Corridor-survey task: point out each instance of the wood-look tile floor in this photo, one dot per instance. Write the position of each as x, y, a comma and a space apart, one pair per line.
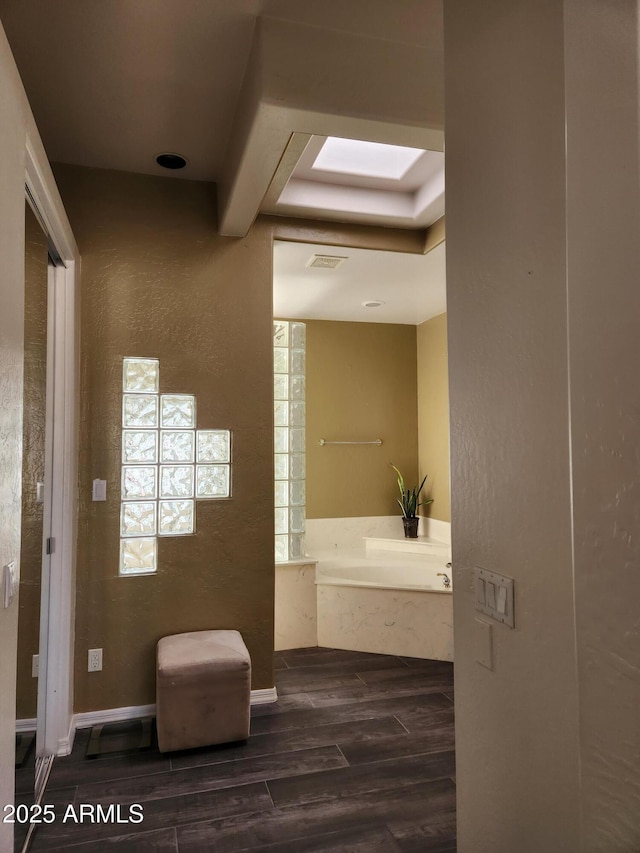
357, 756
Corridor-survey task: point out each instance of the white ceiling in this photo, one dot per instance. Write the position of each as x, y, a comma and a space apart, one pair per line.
411, 286
415, 200
112, 83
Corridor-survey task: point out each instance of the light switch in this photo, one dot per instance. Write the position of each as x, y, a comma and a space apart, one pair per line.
502, 599
99, 490
494, 596
39, 493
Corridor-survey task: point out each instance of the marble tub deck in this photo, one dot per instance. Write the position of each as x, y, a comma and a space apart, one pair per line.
410, 622
314, 610
315, 604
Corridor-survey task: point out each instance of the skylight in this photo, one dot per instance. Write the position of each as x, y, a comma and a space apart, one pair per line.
370, 159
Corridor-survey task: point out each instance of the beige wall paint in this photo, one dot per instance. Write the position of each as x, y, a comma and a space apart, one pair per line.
433, 415
516, 726
157, 281
374, 237
33, 431
156, 277
435, 234
361, 385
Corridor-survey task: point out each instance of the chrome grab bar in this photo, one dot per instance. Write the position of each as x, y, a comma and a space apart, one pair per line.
323, 441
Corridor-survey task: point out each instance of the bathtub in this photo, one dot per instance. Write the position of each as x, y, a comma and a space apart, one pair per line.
385, 599
420, 575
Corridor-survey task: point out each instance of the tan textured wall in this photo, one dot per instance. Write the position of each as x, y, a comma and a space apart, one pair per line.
516, 726
375, 237
33, 432
361, 385
433, 414
157, 281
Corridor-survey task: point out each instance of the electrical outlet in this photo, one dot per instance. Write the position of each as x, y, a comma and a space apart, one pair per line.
95, 660
35, 666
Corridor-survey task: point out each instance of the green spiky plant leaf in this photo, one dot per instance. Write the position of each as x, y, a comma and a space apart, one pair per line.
409, 499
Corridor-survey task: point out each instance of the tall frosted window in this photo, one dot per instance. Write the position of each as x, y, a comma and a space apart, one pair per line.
167, 465
289, 438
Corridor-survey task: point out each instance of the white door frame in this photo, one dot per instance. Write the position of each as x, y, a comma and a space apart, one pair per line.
58, 583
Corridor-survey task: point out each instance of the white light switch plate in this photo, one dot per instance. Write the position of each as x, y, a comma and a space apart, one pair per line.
99, 491
9, 582
494, 596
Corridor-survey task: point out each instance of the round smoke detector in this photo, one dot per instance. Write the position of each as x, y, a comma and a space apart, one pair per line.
372, 303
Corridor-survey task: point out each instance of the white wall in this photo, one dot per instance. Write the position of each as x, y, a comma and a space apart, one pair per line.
13, 123
603, 216
543, 306
516, 726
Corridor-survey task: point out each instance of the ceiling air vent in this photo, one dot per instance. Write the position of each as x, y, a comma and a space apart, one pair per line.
326, 262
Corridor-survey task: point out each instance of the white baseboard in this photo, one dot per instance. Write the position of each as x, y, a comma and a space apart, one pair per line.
134, 712
65, 744
112, 715
86, 719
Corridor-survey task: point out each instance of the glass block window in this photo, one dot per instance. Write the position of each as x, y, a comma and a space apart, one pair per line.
167, 465
289, 339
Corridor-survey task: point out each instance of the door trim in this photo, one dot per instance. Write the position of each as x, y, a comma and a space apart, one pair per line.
57, 618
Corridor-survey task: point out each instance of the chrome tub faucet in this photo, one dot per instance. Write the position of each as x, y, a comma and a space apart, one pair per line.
447, 580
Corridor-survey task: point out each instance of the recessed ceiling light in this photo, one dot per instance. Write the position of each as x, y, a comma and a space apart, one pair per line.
171, 161
371, 159
326, 262
372, 303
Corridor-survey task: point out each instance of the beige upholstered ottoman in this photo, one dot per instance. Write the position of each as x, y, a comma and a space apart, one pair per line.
203, 689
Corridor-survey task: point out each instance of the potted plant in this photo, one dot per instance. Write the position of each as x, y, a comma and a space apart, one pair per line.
409, 501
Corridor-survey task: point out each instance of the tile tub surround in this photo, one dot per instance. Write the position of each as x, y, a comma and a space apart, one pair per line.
357, 755
391, 620
295, 617
324, 534
386, 621
366, 620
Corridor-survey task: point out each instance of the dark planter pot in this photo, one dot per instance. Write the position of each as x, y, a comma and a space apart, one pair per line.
410, 528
